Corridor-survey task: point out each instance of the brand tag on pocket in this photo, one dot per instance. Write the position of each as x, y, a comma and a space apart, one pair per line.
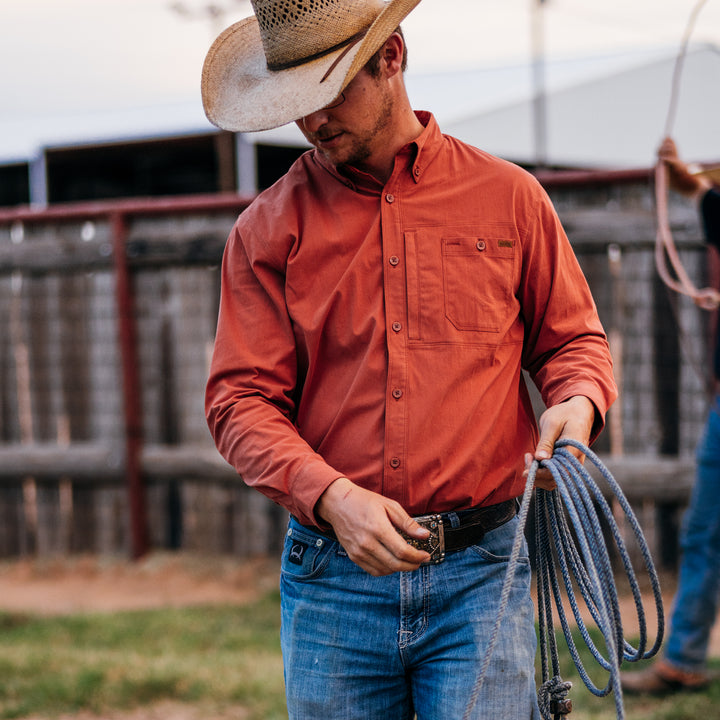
297, 552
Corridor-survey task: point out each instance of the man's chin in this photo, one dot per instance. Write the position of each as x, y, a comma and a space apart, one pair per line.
344, 156
336, 157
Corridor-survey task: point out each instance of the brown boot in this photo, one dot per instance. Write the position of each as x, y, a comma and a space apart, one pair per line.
662, 678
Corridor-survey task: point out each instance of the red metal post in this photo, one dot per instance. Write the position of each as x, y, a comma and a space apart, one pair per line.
118, 212
127, 339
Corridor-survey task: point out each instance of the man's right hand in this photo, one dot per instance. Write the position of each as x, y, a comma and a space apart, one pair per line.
367, 524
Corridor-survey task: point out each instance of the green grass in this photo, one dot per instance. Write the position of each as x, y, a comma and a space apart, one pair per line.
98, 662
225, 656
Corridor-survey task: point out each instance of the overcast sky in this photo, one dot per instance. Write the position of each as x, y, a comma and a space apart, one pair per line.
60, 55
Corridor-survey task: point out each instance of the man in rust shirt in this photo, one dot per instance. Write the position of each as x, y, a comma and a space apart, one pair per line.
378, 305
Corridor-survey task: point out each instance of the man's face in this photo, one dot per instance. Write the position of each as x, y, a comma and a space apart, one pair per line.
355, 130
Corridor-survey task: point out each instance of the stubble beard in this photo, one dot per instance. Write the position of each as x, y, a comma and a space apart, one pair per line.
363, 146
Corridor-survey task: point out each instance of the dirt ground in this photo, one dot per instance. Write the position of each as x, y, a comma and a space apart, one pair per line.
161, 711
54, 586
89, 584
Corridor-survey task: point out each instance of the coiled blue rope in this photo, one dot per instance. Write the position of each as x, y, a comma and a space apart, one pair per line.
568, 528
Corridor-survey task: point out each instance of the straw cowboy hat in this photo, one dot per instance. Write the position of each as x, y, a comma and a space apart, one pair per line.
292, 58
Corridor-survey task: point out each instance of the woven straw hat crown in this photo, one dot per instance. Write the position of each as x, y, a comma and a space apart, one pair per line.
295, 31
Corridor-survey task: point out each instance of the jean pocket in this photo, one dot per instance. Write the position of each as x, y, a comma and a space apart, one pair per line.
305, 554
497, 544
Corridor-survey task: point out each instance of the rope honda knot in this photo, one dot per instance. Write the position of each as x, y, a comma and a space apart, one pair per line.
553, 697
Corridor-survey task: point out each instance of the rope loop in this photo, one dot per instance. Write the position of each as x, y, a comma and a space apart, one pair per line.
706, 298
571, 524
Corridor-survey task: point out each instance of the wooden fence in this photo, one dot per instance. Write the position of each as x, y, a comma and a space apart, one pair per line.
108, 311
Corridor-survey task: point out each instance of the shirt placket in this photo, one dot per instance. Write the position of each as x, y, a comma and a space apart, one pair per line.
396, 397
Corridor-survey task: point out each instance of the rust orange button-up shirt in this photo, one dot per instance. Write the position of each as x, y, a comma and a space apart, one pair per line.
378, 332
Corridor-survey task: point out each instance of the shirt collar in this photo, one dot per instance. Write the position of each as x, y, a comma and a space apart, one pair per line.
417, 154
427, 145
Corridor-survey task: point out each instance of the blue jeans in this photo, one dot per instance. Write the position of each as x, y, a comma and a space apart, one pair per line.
357, 647
696, 601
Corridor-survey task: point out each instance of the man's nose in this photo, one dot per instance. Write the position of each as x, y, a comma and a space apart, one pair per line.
313, 122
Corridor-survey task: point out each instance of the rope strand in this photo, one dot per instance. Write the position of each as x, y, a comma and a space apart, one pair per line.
677, 72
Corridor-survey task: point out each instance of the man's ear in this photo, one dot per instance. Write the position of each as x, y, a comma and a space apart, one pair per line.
392, 54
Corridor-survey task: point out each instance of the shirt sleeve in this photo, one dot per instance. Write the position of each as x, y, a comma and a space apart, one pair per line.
252, 384
566, 350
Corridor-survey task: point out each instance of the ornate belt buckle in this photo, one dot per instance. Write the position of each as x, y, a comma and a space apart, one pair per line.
434, 544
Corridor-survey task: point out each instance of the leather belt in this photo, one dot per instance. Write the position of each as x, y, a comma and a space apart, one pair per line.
460, 529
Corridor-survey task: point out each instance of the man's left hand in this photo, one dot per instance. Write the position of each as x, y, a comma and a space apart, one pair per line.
572, 420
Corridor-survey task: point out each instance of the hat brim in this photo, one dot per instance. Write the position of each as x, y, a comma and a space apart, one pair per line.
240, 94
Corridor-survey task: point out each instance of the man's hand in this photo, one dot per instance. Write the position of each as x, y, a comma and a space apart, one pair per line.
572, 420
681, 179
366, 524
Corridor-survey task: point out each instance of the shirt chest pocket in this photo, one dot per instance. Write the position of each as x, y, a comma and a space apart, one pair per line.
459, 284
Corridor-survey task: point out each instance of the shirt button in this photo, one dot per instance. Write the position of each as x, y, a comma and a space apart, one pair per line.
397, 327
394, 260
390, 198
397, 393
395, 462
416, 171
480, 245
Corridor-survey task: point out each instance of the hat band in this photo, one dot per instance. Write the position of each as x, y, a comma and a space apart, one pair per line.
308, 58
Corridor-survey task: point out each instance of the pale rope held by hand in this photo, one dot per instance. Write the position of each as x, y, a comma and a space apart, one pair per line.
706, 298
